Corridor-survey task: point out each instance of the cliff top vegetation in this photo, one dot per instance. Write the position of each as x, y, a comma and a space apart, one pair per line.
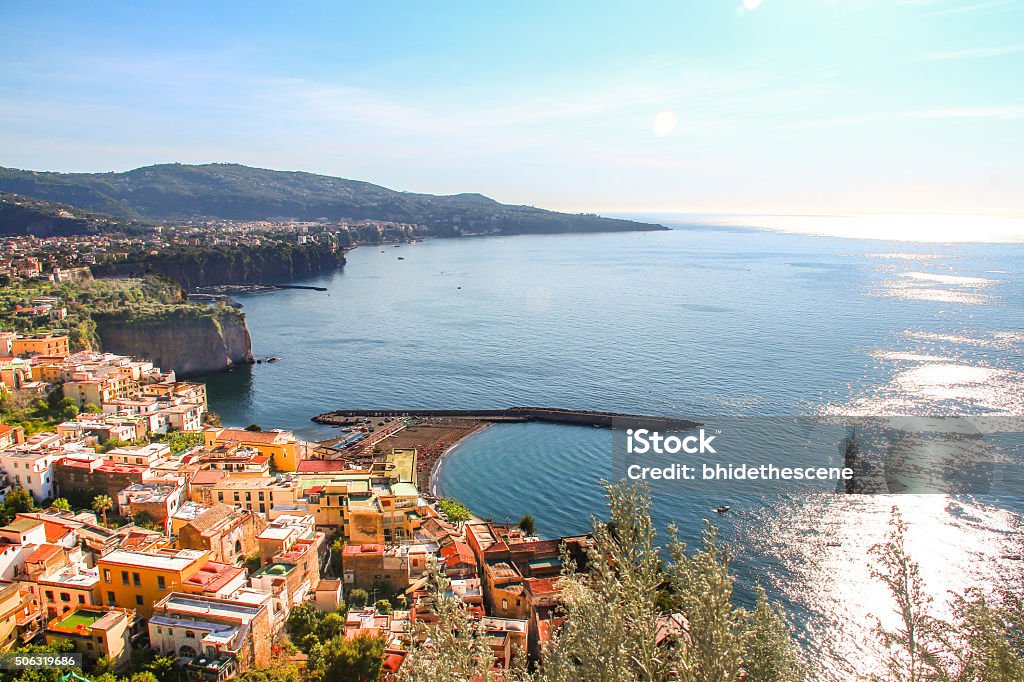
129, 300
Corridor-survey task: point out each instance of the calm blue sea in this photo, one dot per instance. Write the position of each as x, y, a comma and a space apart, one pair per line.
696, 321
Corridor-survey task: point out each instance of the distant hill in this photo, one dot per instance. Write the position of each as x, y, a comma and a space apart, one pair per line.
170, 192
27, 215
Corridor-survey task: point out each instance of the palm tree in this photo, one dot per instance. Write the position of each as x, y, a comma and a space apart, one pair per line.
102, 503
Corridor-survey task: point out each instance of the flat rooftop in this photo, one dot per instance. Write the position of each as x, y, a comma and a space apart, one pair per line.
185, 604
178, 561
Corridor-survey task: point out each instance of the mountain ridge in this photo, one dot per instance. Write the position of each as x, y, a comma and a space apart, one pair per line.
229, 191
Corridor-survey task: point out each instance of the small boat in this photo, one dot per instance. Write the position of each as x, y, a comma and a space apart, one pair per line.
400, 258
722, 509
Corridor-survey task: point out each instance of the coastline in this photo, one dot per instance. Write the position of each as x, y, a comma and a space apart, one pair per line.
435, 469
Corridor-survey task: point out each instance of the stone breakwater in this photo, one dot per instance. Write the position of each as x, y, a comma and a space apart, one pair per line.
518, 414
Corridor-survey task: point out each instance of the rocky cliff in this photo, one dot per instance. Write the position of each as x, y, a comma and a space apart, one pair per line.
189, 340
213, 266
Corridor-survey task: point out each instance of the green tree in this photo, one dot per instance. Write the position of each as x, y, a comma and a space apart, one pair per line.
17, 501
715, 644
331, 625
527, 525
111, 444
915, 646
611, 610
769, 653
145, 520
358, 598
101, 504
454, 510
180, 441
354, 660
163, 668
143, 676
383, 606
105, 664
455, 647
252, 562
62, 504
303, 621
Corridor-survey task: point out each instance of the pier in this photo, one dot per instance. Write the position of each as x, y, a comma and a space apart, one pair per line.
552, 415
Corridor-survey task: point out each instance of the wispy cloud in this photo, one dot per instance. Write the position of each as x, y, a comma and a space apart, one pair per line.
1009, 112
960, 8
971, 53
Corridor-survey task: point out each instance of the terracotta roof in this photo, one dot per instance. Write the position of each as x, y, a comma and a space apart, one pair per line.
311, 466
393, 659
208, 476
355, 550
55, 531
543, 586
211, 517
214, 575
243, 436
43, 552
459, 550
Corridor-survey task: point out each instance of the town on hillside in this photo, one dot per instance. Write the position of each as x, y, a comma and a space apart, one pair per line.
131, 522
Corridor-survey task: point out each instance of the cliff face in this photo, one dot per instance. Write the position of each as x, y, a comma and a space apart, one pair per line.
260, 265
190, 343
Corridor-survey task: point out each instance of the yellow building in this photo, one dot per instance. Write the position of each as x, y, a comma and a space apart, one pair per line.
281, 446
255, 493
137, 580
40, 344
95, 632
18, 615
100, 391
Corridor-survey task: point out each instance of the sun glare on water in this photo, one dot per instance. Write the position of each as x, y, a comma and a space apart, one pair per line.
903, 227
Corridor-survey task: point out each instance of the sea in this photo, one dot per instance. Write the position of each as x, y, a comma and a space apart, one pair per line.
800, 319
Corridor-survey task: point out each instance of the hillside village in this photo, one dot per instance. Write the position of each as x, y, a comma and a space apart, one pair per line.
133, 523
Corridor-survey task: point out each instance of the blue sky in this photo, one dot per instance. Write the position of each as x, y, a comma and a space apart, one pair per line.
732, 105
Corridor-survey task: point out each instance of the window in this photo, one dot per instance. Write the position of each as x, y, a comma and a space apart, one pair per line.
504, 603
261, 497
28, 479
161, 582
106, 575
136, 580
111, 600
248, 497
236, 497
81, 599
49, 595
220, 497
64, 596
124, 577
189, 634
138, 600
263, 508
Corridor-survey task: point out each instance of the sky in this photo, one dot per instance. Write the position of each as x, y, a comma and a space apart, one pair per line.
779, 106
